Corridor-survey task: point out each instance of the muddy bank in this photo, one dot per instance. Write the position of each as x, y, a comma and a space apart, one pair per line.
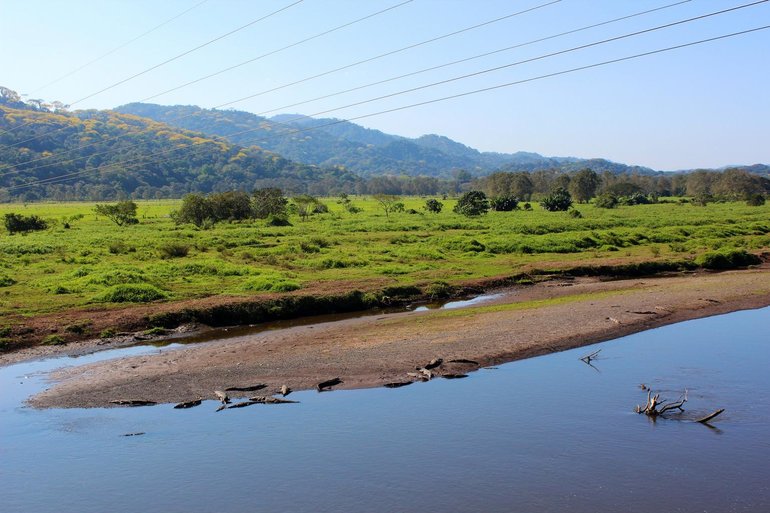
373, 351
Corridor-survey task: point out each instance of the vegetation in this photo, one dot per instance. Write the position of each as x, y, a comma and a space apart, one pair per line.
434, 206
121, 213
558, 201
472, 203
17, 223
92, 263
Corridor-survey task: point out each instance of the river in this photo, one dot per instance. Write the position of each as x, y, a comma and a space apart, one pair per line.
548, 434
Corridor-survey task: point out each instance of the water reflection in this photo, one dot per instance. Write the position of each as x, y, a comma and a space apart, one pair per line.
544, 434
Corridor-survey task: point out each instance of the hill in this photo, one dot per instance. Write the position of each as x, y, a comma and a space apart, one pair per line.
366, 152
105, 155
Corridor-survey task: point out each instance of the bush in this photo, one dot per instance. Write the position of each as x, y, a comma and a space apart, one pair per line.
174, 250
504, 203
120, 248
54, 340
558, 201
270, 283
269, 202
6, 281
17, 223
132, 293
439, 289
528, 206
108, 333
472, 203
606, 200
756, 200
575, 214
727, 259
278, 220
434, 206
121, 213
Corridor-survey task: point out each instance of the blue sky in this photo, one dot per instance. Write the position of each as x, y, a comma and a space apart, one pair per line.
704, 106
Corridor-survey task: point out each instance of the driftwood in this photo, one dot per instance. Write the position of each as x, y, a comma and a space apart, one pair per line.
188, 404
657, 407
285, 390
223, 397
270, 400
251, 388
593, 356
433, 363
325, 385
138, 433
132, 402
454, 376
398, 384
704, 420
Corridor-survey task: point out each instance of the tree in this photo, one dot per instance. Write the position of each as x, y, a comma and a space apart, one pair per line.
268, 201
195, 209
16, 223
472, 203
558, 201
584, 184
305, 204
231, 206
504, 203
522, 186
121, 213
606, 200
434, 206
388, 202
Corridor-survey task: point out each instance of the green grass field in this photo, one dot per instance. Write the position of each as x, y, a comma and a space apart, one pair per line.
93, 260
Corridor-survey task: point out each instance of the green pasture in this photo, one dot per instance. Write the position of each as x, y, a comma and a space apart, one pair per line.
95, 261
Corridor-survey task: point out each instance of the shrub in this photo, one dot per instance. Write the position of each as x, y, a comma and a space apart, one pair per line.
17, 223
434, 206
575, 214
269, 202
606, 200
527, 206
439, 289
174, 250
472, 203
278, 220
79, 328
558, 201
756, 200
132, 293
121, 213
108, 333
120, 248
727, 259
270, 283
6, 281
504, 203
54, 340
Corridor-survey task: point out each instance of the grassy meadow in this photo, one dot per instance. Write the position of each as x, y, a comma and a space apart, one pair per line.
82, 259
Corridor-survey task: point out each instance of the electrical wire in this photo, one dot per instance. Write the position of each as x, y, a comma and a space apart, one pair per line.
451, 97
426, 86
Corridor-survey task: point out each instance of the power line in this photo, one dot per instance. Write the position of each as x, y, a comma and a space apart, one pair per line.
450, 97
387, 54
168, 60
541, 57
370, 59
398, 93
117, 48
467, 59
249, 61
188, 52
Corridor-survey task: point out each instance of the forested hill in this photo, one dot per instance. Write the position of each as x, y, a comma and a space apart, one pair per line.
364, 151
105, 155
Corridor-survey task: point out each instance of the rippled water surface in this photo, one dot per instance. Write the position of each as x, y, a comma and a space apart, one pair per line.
545, 434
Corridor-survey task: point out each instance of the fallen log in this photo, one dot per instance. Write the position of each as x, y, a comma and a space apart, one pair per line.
325, 385
132, 402
463, 360
270, 400
398, 384
188, 404
251, 388
704, 420
454, 376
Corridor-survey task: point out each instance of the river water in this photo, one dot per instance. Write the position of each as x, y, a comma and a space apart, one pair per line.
548, 434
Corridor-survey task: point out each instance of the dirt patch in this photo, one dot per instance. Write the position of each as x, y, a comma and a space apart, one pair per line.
376, 350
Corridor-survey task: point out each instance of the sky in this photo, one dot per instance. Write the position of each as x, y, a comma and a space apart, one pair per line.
701, 106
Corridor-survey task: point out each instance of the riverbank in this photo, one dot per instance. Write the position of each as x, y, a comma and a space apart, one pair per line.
375, 350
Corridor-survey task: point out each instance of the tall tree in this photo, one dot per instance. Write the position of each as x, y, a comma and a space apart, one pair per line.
584, 184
